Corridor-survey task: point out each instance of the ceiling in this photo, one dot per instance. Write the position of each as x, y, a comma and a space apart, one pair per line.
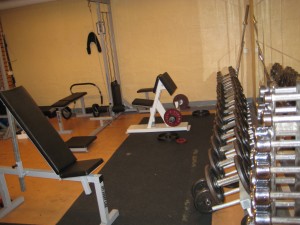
8, 4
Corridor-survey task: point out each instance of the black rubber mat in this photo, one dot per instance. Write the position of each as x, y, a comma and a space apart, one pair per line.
149, 181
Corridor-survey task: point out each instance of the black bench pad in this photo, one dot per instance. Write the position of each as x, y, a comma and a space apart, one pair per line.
81, 168
143, 102
67, 100
80, 141
143, 90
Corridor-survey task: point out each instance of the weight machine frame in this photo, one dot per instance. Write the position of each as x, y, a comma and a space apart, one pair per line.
113, 62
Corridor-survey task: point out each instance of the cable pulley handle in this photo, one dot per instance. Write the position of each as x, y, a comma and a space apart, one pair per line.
246, 15
82, 84
88, 83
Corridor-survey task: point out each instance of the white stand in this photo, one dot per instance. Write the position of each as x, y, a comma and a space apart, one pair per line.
160, 127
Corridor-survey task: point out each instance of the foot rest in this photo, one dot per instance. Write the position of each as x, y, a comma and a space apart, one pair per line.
48, 111
80, 143
142, 102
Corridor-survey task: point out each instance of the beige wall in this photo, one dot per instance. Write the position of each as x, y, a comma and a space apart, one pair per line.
191, 40
278, 23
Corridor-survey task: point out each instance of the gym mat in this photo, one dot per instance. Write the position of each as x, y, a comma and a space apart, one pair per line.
149, 181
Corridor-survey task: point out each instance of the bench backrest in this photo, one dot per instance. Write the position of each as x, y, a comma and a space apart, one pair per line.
167, 82
38, 128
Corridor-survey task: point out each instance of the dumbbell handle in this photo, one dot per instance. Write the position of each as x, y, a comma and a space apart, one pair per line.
225, 205
229, 162
284, 195
282, 90
265, 172
264, 218
268, 98
267, 145
269, 119
228, 180
285, 180
290, 169
284, 204
286, 109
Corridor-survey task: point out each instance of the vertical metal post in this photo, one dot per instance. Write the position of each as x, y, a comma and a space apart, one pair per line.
113, 44
101, 33
3, 73
297, 153
12, 128
19, 165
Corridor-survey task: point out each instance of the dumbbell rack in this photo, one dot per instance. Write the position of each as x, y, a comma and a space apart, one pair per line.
276, 171
230, 153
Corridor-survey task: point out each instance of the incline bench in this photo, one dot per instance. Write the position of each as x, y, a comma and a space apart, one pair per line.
162, 82
64, 164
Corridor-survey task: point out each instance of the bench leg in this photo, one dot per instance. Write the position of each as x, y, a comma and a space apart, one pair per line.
8, 204
107, 218
60, 123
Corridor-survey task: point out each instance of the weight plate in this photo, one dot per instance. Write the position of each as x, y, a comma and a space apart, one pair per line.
168, 136
200, 113
238, 148
96, 110
217, 192
213, 161
199, 185
203, 201
172, 117
243, 172
181, 101
181, 140
214, 145
66, 113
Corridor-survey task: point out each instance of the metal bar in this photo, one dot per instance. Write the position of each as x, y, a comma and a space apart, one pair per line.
285, 220
225, 205
242, 41
228, 180
233, 191
104, 52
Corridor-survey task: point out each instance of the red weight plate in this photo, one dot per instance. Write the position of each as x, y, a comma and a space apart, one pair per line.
172, 117
181, 140
183, 102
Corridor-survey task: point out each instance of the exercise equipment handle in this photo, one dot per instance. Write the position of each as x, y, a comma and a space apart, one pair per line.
246, 15
88, 83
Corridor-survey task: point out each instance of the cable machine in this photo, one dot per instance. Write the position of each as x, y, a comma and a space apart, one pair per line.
105, 31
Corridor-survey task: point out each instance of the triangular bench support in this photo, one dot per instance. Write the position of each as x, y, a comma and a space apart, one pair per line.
163, 82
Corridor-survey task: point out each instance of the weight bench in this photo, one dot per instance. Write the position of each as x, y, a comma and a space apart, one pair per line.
78, 143
64, 164
62, 104
143, 105
162, 82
